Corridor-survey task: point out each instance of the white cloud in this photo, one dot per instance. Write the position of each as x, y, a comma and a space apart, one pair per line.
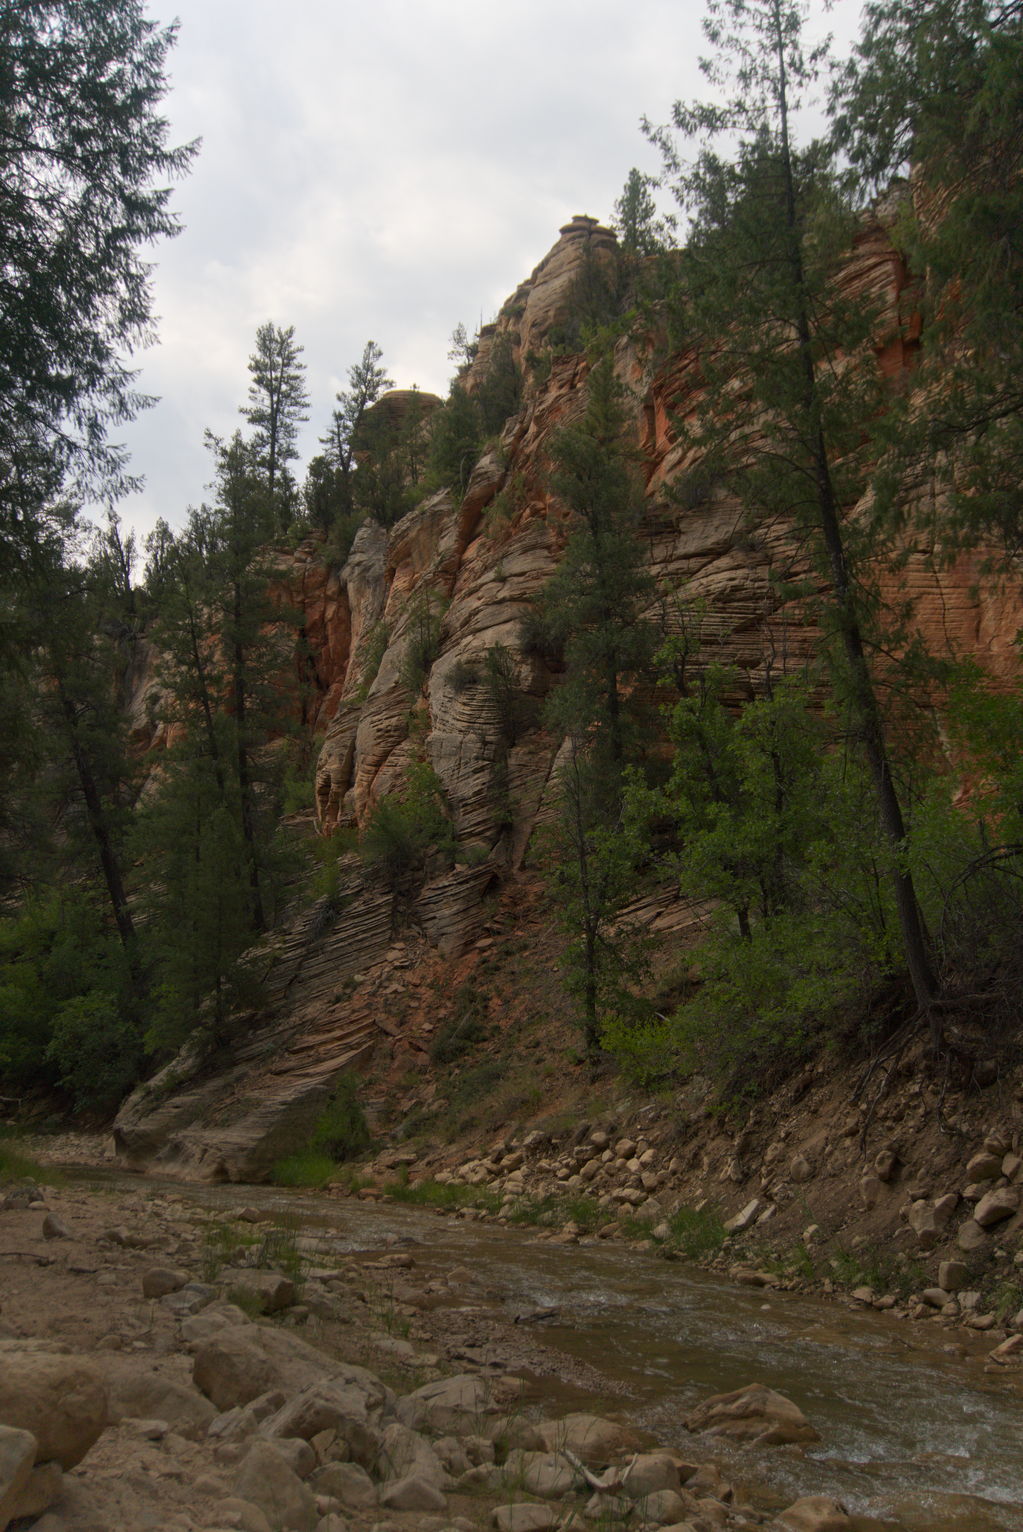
378, 172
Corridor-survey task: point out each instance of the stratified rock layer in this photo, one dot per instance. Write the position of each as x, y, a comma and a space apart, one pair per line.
478, 566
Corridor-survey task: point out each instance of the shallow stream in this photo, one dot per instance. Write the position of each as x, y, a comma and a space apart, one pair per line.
912, 1428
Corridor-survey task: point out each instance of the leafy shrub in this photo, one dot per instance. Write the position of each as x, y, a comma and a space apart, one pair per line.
406, 828
97, 1053
341, 1130
422, 644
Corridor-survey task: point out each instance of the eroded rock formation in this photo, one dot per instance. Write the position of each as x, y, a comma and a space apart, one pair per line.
475, 567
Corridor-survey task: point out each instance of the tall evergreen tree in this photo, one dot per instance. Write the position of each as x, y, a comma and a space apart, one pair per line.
278, 404
784, 414
84, 164
937, 88
367, 380
592, 609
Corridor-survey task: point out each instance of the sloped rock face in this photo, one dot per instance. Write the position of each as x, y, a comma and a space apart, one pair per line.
475, 568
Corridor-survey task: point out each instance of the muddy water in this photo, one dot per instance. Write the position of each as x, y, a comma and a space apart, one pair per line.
911, 1430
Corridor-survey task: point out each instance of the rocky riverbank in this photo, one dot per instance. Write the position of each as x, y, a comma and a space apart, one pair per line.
166, 1368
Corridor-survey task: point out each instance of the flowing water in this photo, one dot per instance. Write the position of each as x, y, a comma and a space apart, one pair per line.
909, 1429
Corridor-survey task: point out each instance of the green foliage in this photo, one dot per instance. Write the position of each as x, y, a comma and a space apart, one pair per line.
696, 1232
307, 1167
635, 221
422, 640
66, 1004
341, 1130
96, 1051
407, 829
372, 651
86, 171
278, 405
461, 1032
456, 439
14, 1164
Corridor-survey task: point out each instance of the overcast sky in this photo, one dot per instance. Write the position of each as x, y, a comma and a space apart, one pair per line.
380, 171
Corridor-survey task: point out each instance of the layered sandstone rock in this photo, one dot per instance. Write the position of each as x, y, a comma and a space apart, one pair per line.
476, 567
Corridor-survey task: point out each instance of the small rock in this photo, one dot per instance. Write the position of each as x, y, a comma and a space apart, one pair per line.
886, 1163
744, 1219
998, 1205
55, 1228
523, 1517
971, 1236
953, 1275
412, 1494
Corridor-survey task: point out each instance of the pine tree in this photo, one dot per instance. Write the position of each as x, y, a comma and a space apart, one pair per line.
593, 610
84, 163
367, 380
277, 406
784, 415
937, 88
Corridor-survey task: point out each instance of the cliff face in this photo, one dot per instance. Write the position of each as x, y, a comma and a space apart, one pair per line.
474, 568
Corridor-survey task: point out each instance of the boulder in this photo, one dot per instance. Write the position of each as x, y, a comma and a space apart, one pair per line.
134, 1391
267, 1480
17, 1457
546, 1474
953, 1275
451, 1403
590, 1437
752, 1414
158, 1281
649, 1472
745, 1218
231, 1368
339, 1405
971, 1236
984, 1167
239, 1362
664, 1506
813, 1513
523, 1517
44, 1486
260, 1292
404, 1454
232, 1511
61, 1400
348, 1483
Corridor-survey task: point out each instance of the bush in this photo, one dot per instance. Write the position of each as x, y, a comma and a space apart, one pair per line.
97, 1053
405, 829
341, 1130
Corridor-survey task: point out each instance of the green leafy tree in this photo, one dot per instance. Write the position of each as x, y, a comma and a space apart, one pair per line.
784, 413
278, 404
85, 165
